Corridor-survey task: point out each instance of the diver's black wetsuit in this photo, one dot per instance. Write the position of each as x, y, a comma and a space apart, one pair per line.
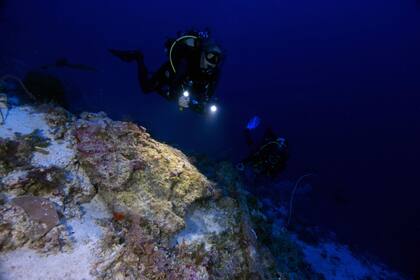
188, 76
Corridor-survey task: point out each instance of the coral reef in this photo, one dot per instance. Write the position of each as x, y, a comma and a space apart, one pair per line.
137, 175
107, 201
93, 198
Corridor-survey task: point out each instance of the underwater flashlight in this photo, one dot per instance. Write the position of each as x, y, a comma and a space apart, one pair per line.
213, 108
186, 93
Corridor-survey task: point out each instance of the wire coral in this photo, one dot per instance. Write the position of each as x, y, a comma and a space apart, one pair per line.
46, 88
22, 84
293, 196
4, 102
3, 106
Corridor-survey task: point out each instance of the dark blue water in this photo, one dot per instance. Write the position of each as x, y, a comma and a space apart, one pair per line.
339, 79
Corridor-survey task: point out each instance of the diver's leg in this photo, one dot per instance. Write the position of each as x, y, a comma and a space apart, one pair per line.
142, 74
146, 84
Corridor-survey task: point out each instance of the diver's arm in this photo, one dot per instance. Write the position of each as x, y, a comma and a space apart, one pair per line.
147, 85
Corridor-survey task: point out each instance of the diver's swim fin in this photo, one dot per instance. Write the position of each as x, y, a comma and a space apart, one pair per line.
127, 56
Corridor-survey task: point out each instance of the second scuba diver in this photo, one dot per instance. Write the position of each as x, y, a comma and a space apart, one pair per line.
189, 77
267, 157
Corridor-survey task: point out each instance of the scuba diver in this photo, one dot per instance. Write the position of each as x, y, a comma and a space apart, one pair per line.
269, 156
190, 75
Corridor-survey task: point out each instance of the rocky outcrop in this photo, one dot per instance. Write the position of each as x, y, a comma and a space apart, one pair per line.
137, 175
31, 221
103, 200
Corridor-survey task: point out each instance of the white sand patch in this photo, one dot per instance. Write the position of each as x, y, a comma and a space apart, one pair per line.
200, 225
23, 120
96, 209
58, 154
25, 264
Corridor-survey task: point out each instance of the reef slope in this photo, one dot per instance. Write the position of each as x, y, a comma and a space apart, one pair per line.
93, 198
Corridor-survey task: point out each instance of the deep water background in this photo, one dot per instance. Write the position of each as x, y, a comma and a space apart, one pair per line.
340, 80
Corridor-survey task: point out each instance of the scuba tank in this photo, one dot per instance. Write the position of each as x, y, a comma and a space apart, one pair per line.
193, 33
171, 43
